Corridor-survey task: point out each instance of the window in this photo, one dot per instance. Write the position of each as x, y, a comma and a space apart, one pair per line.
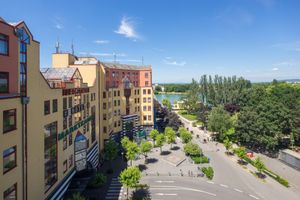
149, 99
149, 108
149, 117
115, 93
104, 95
4, 76
144, 91
70, 102
144, 100
9, 159
10, 193
65, 143
146, 75
104, 129
70, 161
70, 139
46, 107
135, 100
146, 83
104, 116
119, 112
104, 105
144, 108
70, 121
115, 113
65, 123
119, 123
118, 92
138, 91
54, 105
138, 100
65, 103
115, 124
115, 102
145, 117
9, 120
65, 166
134, 92
119, 102
149, 91
3, 44
138, 108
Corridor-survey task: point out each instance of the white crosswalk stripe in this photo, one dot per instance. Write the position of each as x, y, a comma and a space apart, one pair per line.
115, 190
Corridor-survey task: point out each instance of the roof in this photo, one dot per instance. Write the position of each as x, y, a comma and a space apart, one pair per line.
65, 73
125, 66
86, 62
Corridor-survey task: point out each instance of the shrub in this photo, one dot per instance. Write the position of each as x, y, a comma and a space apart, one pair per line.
99, 180
185, 136
77, 196
209, 172
200, 159
282, 181
192, 149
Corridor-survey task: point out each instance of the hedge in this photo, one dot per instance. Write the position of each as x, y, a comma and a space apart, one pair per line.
200, 159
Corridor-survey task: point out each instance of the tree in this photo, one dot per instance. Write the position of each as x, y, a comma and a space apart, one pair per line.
192, 99
158, 88
124, 142
240, 152
131, 151
227, 144
170, 135
111, 151
145, 147
185, 135
167, 103
192, 149
260, 166
130, 177
153, 135
219, 121
160, 140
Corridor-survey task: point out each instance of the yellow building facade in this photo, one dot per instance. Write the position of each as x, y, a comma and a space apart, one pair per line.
54, 121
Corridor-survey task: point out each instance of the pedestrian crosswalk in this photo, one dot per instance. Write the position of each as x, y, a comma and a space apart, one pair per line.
115, 190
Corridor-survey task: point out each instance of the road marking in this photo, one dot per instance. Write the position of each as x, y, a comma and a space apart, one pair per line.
165, 181
225, 186
238, 190
210, 182
166, 194
253, 196
178, 188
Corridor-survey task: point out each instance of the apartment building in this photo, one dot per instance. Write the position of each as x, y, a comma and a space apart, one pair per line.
127, 100
49, 119
54, 121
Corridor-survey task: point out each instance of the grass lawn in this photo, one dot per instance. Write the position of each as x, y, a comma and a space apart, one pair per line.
187, 116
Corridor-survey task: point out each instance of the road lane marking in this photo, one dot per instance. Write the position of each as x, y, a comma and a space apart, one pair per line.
225, 186
164, 181
210, 182
166, 194
182, 188
253, 196
238, 190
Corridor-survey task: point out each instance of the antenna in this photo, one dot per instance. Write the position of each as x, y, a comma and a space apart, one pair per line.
115, 57
142, 60
72, 47
57, 46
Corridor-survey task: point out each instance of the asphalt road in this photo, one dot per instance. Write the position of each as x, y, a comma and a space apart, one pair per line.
229, 173
193, 188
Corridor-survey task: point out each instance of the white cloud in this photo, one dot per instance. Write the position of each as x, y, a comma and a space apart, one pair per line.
58, 23
127, 28
103, 54
170, 61
275, 69
101, 41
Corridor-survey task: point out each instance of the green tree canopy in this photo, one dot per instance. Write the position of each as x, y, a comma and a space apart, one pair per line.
130, 177
167, 103
131, 151
185, 136
170, 135
153, 134
192, 149
145, 147
219, 121
160, 140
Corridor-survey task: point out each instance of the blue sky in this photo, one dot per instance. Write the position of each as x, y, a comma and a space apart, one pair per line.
257, 39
